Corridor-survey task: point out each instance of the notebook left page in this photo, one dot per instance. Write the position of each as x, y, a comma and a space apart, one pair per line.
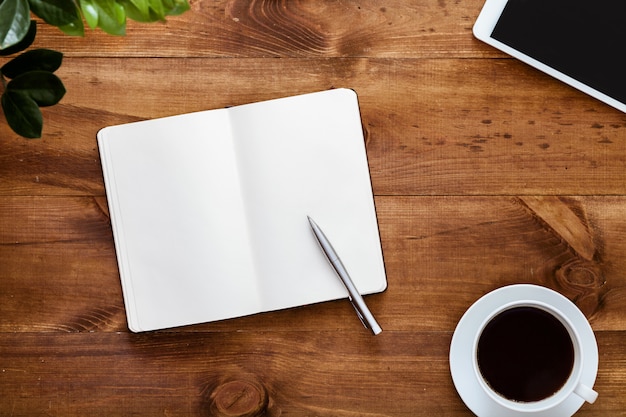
178, 220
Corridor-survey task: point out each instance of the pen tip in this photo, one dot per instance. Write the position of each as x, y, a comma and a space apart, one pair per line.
312, 223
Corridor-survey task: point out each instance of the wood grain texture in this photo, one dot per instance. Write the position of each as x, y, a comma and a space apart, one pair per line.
304, 373
310, 373
485, 173
281, 28
433, 126
61, 274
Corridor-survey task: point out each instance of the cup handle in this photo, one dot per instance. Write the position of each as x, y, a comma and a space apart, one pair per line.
586, 393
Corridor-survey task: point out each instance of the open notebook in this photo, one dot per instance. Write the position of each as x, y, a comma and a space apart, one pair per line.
209, 209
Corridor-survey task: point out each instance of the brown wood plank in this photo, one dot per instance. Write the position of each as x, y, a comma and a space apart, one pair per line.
265, 28
324, 373
434, 127
57, 266
468, 246
59, 272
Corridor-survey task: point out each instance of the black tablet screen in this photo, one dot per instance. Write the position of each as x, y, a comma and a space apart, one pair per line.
585, 39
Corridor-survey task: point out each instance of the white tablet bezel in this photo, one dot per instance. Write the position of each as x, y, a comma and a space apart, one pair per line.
483, 28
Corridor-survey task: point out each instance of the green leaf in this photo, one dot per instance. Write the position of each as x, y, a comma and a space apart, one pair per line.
22, 114
138, 10
55, 12
177, 7
34, 60
14, 22
142, 7
24, 43
45, 88
111, 16
153, 10
90, 12
134, 13
74, 29
157, 8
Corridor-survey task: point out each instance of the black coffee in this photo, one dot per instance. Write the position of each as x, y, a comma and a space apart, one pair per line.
525, 354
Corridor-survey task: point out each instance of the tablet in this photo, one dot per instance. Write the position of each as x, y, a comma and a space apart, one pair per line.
580, 42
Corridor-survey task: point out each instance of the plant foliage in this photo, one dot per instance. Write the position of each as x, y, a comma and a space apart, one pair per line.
28, 80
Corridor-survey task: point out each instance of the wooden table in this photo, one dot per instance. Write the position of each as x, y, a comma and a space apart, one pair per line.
485, 172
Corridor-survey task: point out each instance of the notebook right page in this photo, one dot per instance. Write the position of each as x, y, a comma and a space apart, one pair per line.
299, 156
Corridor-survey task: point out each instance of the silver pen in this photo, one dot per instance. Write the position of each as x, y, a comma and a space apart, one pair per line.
355, 298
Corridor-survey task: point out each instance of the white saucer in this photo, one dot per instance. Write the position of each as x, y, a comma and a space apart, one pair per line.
461, 355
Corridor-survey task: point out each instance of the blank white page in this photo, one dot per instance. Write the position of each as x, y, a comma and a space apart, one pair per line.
178, 220
299, 156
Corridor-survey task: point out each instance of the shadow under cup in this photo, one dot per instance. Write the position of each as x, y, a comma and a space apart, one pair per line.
527, 357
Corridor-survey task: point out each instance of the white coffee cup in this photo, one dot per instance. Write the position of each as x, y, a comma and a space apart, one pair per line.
488, 398
571, 383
